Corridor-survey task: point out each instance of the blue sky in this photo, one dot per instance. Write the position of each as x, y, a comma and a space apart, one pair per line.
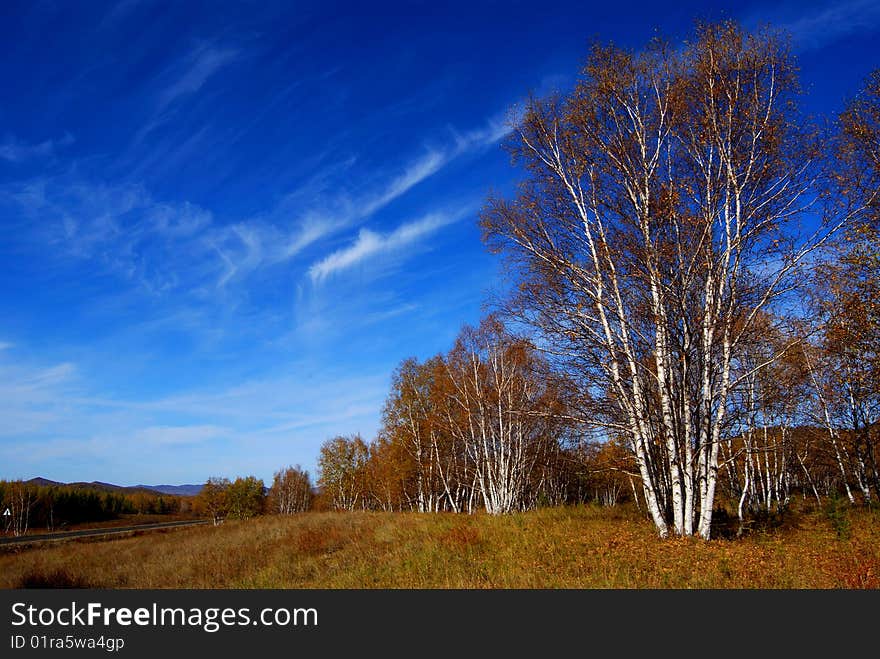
222, 225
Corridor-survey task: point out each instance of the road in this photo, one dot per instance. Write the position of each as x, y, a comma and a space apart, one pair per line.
85, 533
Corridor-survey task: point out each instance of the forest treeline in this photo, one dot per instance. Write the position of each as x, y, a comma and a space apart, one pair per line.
57, 506
53, 507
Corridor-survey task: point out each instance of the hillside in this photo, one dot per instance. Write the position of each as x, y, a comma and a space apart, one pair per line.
572, 547
188, 490
176, 490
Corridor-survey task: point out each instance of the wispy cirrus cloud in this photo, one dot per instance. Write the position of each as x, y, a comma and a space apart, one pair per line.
332, 202
280, 403
243, 247
119, 226
179, 245
329, 215
16, 151
823, 25
182, 79
326, 206
416, 172
159, 436
32, 397
370, 245
194, 70
494, 130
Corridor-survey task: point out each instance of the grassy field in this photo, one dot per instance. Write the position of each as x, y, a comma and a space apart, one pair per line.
575, 547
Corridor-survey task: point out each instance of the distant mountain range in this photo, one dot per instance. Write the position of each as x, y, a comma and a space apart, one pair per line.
179, 490
176, 490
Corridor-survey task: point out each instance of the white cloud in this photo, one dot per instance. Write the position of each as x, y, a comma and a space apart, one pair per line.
122, 227
16, 151
312, 229
415, 173
386, 314
177, 220
199, 66
158, 244
183, 78
367, 244
814, 30
177, 435
32, 397
249, 244
45, 379
242, 247
370, 244
495, 130
164, 245
329, 215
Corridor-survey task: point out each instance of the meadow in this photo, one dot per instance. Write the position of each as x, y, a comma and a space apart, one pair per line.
568, 547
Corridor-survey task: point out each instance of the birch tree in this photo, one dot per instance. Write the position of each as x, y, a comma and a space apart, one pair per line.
760, 457
845, 362
343, 472
410, 421
844, 358
501, 412
19, 498
663, 211
291, 491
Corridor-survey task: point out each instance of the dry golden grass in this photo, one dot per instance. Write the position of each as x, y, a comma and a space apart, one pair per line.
575, 547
